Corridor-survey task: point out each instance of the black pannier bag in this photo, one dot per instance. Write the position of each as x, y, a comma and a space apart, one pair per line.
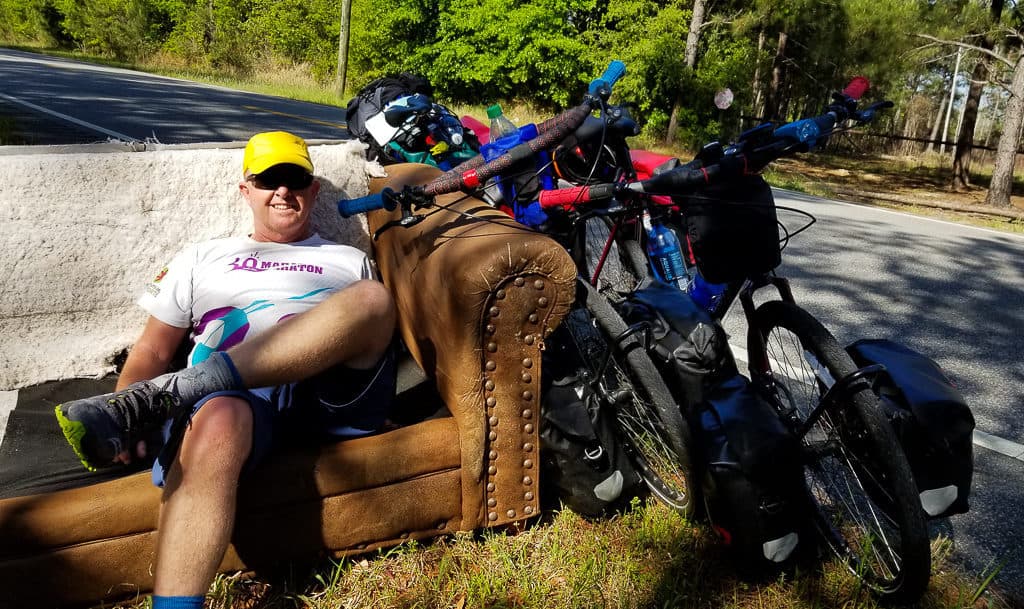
689, 347
931, 419
732, 229
752, 478
582, 462
753, 482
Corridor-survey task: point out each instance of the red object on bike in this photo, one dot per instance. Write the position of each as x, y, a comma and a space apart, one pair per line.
857, 87
470, 179
569, 198
482, 131
645, 162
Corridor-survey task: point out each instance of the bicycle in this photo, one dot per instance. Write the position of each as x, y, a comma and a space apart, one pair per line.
866, 505
618, 370
879, 533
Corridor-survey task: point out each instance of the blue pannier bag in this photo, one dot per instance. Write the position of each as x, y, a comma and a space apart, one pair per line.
931, 419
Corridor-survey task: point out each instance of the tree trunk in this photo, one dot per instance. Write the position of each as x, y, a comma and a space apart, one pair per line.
693, 36
952, 98
756, 86
775, 89
1000, 187
935, 125
690, 58
965, 135
343, 34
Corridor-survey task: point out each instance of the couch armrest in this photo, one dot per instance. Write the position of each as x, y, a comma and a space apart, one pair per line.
476, 297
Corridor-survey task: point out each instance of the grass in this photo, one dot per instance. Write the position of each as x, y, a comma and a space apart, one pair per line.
646, 557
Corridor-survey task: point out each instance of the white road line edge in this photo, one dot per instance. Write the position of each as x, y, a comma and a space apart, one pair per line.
70, 119
1002, 446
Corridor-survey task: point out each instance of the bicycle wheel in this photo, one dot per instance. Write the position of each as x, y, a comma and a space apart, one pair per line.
647, 419
625, 264
856, 473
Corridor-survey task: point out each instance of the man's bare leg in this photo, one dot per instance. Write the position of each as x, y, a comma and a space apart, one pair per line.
353, 327
198, 509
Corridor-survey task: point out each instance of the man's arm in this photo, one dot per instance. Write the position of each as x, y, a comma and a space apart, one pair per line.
152, 353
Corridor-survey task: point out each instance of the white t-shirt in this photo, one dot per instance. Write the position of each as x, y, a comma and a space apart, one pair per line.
233, 288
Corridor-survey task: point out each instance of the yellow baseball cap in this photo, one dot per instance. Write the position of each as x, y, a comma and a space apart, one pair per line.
270, 148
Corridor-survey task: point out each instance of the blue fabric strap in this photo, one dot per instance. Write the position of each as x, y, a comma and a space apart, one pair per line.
239, 384
178, 602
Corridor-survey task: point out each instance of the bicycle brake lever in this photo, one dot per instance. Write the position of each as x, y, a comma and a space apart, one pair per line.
404, 222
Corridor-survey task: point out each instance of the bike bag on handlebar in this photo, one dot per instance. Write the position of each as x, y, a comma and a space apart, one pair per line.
931, 419
732, 229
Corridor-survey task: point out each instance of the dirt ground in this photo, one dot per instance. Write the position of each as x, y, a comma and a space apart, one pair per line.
900, 182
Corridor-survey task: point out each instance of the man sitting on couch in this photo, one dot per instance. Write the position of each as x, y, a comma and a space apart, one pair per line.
290, 333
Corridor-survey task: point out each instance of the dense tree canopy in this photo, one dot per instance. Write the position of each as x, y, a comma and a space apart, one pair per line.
780, 58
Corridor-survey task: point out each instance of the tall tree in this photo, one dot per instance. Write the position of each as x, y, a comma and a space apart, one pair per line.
1001, 186
979, 76
690, 60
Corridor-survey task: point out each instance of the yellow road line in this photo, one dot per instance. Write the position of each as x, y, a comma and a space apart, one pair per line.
303, 118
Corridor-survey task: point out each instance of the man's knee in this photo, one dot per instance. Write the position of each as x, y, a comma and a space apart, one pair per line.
377, 301
220, 433
375, 315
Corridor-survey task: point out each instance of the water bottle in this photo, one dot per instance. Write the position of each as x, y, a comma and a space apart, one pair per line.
704, 293
666, 256
500, 125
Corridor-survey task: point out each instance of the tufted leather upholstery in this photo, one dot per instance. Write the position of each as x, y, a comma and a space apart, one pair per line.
476, 299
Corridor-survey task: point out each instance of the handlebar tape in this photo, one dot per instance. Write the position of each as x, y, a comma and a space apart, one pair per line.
471, 176
351, 207
857, 87
455, 178
569, 198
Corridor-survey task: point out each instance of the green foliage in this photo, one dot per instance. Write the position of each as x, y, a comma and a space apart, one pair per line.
494, 49
387, 35
541, 53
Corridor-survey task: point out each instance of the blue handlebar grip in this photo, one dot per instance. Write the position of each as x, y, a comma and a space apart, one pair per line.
350, 207
615, 70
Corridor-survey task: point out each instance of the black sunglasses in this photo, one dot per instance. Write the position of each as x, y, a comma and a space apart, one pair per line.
292, 176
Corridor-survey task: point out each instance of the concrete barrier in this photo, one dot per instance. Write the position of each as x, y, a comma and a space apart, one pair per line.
82, 229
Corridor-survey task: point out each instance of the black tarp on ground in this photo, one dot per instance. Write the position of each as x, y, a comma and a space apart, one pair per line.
34, 456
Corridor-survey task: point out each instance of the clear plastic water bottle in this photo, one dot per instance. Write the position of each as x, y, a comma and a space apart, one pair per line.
704, 293
500, 125
664, 251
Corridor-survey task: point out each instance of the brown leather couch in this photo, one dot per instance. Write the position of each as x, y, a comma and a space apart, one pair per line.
476, 298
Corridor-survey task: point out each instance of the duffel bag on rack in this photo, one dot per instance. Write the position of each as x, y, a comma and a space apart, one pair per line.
931, 419
753, 483
689, 347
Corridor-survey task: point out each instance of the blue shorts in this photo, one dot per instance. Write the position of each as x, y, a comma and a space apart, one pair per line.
337, 403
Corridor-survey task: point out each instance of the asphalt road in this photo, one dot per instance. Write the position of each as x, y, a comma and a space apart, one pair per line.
953, 292
118, 104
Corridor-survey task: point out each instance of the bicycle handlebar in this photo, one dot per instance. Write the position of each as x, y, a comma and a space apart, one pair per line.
803, 134
568, 198
385, 199
475, 171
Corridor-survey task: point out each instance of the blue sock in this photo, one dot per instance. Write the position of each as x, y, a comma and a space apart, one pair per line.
178, 602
